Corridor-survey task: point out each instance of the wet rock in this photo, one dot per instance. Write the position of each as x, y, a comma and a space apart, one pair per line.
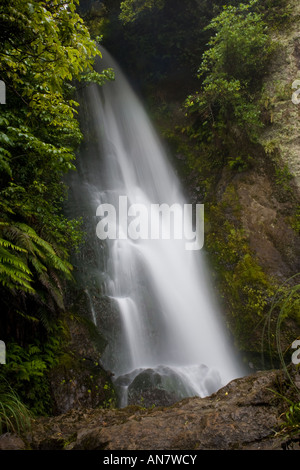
147, 389
79, 380
166, 385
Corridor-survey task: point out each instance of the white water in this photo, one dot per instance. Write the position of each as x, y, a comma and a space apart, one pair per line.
169, 320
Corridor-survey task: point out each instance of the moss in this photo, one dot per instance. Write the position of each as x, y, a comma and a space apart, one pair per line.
242, 283
294, 220
248, 292
78, 377
110, 396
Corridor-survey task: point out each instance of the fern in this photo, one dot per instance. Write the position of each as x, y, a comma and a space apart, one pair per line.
26, 259
56, 294
14, 272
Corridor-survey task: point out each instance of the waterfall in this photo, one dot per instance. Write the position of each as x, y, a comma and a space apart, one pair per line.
168, 319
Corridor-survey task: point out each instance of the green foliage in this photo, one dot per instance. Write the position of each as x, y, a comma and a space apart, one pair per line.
285, 305
260, 312
239, 49
290, 419
55, 44
283, 177
130, 9
14, 272
14, 415
25, 257
110, 396
224, 123
46, 53
276, 13
246, 290
226, 110
46, 50
27, 369
167, 36
291, 424
295, 220
239, 163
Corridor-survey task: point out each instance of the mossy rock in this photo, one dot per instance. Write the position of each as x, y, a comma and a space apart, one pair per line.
79, 380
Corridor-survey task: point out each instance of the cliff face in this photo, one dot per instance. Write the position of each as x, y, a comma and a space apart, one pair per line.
282, 135
267, 195
270, 196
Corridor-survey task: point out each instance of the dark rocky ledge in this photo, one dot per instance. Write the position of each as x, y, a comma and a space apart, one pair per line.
246, 414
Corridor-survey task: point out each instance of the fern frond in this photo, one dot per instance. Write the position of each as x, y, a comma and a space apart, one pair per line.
53, 291
25, 229
7, 258
14, 272
61, 265
36, 263
9, 279
8, 244
26, 258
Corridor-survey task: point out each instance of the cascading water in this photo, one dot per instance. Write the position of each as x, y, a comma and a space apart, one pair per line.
168, 321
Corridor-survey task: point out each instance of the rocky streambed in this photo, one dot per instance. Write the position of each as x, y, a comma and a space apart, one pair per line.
246, 414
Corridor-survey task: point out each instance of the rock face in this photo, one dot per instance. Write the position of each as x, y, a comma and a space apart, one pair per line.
245, 414
79, 380
285, 70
